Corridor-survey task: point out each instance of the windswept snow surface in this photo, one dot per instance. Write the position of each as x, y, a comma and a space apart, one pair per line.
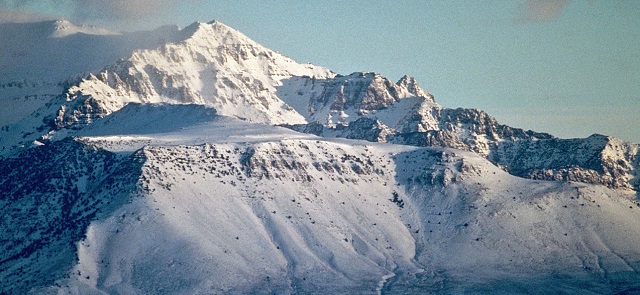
53, 51
170, 125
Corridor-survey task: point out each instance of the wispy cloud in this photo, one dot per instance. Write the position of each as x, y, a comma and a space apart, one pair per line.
118, 13
541, 10
19, 16
121, 10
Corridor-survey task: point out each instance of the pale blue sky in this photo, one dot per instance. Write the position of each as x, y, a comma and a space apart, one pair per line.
570, 68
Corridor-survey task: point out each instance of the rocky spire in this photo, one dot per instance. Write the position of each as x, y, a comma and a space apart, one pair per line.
413, 87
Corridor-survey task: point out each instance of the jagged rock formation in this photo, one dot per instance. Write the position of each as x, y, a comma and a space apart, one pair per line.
363, 128
597, 159
343, 99
370, 107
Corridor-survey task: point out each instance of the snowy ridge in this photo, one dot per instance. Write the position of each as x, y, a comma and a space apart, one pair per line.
312, 214
64, 28
597, 159
209, 64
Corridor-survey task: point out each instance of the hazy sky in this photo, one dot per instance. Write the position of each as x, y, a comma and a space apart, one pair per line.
570, 68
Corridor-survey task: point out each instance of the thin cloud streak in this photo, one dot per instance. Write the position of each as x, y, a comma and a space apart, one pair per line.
19, 16
112, 13
121, 10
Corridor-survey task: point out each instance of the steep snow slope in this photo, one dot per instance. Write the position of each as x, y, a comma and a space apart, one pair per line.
48, 198
271, 211
266, 229
487, 231
215, 65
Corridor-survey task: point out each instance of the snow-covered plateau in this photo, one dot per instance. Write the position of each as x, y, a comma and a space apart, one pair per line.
196, 161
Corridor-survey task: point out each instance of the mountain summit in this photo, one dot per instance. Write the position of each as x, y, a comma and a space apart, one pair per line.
214, 65
195, 160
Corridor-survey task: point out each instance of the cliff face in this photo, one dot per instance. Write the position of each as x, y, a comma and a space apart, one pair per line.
367, 106
597, 159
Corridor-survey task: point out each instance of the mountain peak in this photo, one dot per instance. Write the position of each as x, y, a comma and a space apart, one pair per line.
215, 34
412, 85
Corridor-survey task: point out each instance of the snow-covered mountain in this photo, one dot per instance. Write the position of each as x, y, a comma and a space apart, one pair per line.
209, 64
215, 65
206, 163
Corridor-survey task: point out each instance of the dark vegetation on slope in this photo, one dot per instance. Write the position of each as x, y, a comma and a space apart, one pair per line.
49, 196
